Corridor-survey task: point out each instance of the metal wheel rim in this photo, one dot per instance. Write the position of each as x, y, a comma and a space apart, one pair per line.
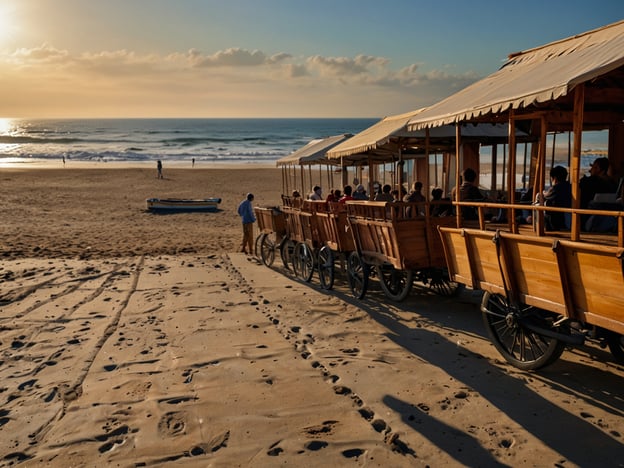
519, 346
326, 267
267, 250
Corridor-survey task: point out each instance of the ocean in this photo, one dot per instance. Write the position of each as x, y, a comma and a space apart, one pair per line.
24, 141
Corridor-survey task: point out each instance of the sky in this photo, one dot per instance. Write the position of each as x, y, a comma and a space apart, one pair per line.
264, 58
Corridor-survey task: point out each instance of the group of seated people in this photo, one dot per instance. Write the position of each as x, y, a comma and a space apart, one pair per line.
440, 206
558, 194
592, 187
598, 191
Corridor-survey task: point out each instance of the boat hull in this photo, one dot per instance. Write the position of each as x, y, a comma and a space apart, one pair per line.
171, 205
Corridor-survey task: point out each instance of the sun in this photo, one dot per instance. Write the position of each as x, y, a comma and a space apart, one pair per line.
7, 24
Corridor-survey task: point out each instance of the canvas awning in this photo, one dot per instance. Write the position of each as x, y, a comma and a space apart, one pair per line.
374, 137
530, 77
313, 152
381, 142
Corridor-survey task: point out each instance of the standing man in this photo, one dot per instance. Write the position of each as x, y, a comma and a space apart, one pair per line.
159, 169
245, 211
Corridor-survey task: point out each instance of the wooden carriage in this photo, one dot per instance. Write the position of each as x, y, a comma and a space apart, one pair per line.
400, 241
302, 238
335, 237
272, 230
544, 289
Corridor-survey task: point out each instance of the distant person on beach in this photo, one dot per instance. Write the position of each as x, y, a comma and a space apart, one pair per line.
245, 211
159, 168
63, 160
193, 162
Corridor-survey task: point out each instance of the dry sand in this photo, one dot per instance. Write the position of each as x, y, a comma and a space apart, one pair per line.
133, 339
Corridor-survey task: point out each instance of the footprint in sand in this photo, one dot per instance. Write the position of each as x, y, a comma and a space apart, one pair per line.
172, 424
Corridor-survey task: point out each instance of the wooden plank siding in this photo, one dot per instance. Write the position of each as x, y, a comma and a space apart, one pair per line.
397, 233
582, 281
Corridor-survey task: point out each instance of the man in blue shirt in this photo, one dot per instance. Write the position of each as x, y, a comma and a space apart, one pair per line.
245, 211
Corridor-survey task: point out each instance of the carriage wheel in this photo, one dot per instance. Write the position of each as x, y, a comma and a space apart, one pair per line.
396, 284
326, 267
615, 341
303, 262
267, 250
287, 250
524, 348
439, 282
357, 273
258, 243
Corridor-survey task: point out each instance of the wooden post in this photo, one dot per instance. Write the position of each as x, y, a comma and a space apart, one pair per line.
493, 162
577, 125
540, 172
458, 216
511, 190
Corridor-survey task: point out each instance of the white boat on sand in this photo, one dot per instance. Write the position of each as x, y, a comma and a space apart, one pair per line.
168, 205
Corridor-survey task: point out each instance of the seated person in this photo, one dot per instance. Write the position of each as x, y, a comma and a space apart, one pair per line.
560, 195
597, 223
525, 216
360, 193
348, 190
385, 194
416, 194
442, 209
469, 190
316, 194
598, 181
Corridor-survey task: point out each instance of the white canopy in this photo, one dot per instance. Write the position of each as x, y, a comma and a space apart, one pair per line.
533, 76
313, 152
382, 140
373, 137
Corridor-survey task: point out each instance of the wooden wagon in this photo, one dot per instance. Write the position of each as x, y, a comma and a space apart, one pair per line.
335, 237
272, 232
399, 240
545, 289
302, 239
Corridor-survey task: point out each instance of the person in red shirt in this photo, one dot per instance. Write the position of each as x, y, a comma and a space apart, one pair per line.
348, 190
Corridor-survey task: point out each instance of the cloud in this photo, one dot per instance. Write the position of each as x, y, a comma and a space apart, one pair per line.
43, 53
345, 66
192, 82
235, 57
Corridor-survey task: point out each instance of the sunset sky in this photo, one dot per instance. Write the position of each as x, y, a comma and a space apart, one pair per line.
264, 58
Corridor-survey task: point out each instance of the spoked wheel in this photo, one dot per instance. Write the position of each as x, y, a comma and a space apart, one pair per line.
326, 267
258, 243
615, 341
437, 279
303, 262
523, 347
357, 274
287, 250
267, 249
396, 284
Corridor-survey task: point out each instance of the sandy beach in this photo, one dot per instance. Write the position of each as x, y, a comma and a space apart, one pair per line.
135, 339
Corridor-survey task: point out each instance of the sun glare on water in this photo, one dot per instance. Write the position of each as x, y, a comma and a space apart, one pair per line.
6, 126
